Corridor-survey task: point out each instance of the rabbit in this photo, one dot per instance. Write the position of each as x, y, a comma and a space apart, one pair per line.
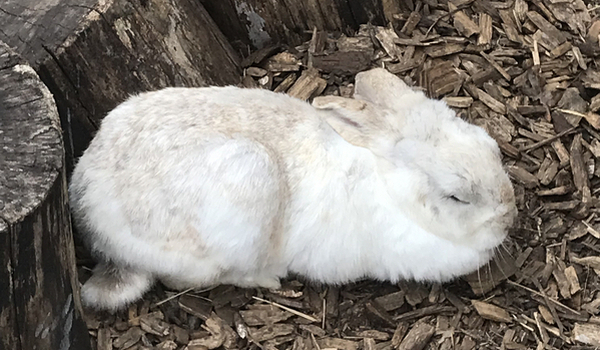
196, 187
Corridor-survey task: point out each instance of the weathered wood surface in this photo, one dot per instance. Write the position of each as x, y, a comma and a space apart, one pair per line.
255, 24
93, 54
39, 296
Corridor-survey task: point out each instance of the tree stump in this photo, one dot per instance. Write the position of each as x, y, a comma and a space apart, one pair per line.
94, 54
257, 23
39, 295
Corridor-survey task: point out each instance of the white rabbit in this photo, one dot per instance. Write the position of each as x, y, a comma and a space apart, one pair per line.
203, 186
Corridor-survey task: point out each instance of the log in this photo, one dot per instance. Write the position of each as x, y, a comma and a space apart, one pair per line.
93, 54
39, 292
255, 24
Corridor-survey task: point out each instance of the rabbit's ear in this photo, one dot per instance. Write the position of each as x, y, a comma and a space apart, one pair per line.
358, 122
382, 88
337, 102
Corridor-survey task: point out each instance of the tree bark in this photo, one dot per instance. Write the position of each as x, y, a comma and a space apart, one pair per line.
254, 24
39, 292
94, 54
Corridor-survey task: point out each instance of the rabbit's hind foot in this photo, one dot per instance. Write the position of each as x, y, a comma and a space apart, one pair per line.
112, 287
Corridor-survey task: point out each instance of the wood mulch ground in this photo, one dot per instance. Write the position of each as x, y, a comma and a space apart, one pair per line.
528, 72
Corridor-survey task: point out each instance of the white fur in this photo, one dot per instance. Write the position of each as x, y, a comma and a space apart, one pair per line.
202, 186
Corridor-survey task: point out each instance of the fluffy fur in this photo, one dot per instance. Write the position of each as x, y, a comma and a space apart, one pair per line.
221, 185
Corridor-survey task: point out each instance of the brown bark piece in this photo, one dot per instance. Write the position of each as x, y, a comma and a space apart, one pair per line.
580, 178
587, 333
195, 306
595, 103
496, 66
391, 301
399, 334
343, 62
337, 343
547, 171
444, 50
307, 85
442, 79
509, 26
104, 340
564, 286
418, 337
571, 276
491, 312
271, 331
501, 267
264, 315
462, 22
458, 101
411, 23
387, 37
485, 29
547, 27
491, 102
591, 261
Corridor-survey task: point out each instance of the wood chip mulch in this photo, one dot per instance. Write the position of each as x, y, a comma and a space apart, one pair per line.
528, 71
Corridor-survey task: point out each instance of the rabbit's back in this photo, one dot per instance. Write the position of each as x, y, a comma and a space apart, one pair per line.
199, 175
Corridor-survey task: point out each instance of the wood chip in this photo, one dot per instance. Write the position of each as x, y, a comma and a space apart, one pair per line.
380, 312
337, 343
307, 85
195, 306
491, 102
391, 301
283, 62
264, 315
271, 331
491, 312
496, 66
286, 83
587, 333
580, 177
387, 38
458, 101
104, 341
485, 29
399, 334
220, 334
547, 27
444, 50
418, 336
462, 22
571, 276
342, 62
523, 176
373, 334
129, 338
411, 23
563, 284
153, 323
591, 261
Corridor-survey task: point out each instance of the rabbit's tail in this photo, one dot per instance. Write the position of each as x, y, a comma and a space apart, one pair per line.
112, 287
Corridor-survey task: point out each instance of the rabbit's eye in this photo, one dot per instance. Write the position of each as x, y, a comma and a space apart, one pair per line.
456, 199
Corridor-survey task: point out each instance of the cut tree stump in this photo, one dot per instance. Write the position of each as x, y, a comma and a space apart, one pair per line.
94, 54
39, 295
255, 24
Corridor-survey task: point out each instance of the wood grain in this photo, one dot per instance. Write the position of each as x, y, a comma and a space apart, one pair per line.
39, 295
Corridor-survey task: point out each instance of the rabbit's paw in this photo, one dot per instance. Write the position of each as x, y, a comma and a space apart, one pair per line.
261, 281
269, 282
113, 287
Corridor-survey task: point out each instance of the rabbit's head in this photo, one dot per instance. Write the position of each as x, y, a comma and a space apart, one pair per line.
458, 188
